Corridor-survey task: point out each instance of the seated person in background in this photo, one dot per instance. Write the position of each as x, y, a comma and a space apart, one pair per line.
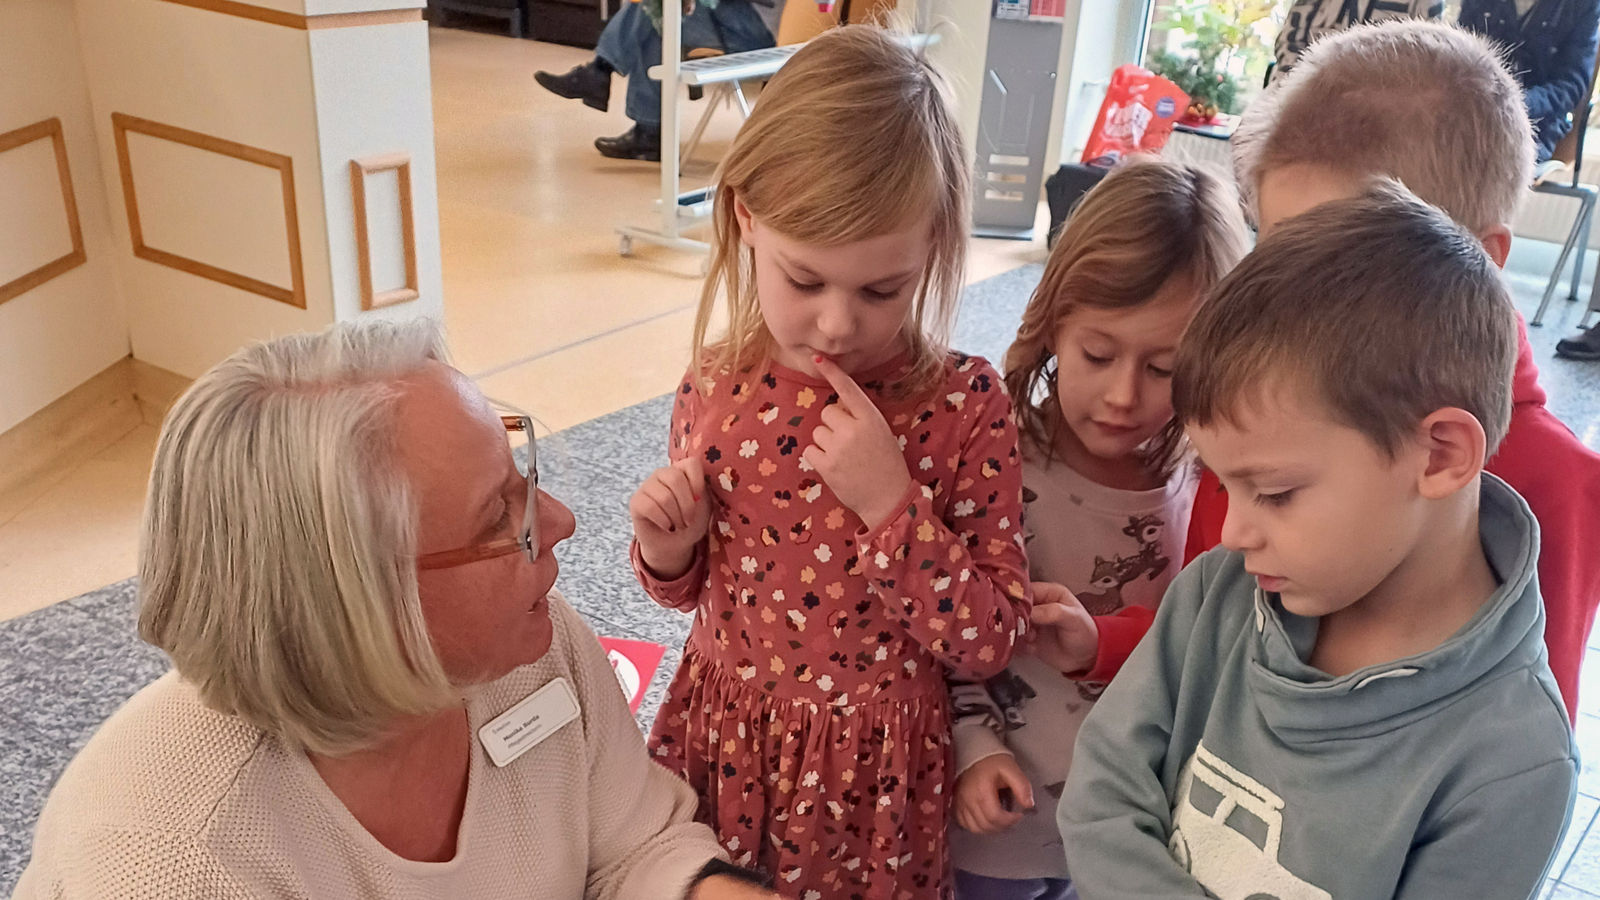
631, 44
1434, 107
1307, 20
1351, 699
1550, 46
352, 578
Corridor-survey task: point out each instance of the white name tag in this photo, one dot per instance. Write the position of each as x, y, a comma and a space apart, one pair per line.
520, 728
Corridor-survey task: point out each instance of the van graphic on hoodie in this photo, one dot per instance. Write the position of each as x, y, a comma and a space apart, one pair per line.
1225, 830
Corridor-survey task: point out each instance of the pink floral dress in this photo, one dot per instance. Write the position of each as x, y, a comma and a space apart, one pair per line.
810, 711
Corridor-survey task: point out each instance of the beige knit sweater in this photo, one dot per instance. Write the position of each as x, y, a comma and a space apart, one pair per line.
171, 799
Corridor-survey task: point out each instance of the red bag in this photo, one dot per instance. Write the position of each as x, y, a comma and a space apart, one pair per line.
1137, 116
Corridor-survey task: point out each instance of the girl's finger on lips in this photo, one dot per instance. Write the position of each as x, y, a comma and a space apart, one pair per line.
851, 396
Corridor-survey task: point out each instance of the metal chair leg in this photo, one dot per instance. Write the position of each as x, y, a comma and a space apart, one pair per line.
719, 95
744, 102
1583, 245
1585, 205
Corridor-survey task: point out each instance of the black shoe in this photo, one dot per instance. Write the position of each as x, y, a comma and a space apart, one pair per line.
587, 82
1583, 345
637, 142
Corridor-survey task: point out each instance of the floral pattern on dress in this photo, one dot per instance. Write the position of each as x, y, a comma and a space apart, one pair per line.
810, 710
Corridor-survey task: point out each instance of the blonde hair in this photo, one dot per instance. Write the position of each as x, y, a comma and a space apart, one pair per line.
1148, 222
276, 558
853, 138
1425, 103
1379, 305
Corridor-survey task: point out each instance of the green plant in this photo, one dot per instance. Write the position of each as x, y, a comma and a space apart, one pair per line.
1224, 43
1199, 77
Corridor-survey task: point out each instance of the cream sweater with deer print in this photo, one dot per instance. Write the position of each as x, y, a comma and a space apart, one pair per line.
1113, 549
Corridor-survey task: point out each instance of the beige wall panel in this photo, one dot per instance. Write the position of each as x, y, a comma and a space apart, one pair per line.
237, 80
61, 332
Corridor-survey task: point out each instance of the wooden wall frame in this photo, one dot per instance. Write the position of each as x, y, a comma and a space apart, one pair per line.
295, 294
302, 22
49, 128
359, 170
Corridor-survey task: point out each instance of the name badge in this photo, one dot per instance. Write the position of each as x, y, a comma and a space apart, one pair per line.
522, 727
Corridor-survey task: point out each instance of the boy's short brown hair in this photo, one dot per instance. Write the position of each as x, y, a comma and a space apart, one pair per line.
1425, 103
1378, 304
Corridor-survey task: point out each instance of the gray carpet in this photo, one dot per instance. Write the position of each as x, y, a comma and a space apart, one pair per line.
64, 669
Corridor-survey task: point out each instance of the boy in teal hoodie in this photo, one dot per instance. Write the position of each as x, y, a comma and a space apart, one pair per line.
1350, 698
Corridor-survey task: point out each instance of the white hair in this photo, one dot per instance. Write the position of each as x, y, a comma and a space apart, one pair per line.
277, 553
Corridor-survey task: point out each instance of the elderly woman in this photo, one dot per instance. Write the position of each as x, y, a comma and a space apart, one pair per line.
377, 693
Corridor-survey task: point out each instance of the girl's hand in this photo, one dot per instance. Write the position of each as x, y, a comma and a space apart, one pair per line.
671, 512
1063, 633
855, 452
979, 805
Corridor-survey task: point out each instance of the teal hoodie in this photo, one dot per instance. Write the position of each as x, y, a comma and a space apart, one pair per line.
1219, 763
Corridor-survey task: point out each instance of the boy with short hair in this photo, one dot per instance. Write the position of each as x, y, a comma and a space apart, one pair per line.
1351, 699
1435, 108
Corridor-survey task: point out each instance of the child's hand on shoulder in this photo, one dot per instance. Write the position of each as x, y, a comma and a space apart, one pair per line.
981, 792
1062, 633
671, 512
856, 453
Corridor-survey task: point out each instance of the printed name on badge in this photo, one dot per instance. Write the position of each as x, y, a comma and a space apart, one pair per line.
521, 728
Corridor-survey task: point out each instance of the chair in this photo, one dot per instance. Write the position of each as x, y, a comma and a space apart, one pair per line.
1570, 151
800, 22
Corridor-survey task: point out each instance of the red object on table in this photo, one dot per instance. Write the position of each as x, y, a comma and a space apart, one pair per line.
635, 663
1136, 117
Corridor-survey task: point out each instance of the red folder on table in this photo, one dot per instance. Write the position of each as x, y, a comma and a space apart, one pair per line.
635, 663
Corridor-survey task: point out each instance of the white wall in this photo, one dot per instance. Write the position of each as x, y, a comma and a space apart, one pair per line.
230, 78
1097, 37
962, 27
62, 332
319, 96
374, 98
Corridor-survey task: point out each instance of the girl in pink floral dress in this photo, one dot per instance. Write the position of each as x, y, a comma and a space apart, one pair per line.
841, 509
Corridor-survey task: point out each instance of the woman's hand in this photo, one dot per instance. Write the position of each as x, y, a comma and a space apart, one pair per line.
979, 802
1062, 632
855, 452
671, 512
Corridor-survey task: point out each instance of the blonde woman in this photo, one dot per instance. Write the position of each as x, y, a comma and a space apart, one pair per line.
842, 509
377, 691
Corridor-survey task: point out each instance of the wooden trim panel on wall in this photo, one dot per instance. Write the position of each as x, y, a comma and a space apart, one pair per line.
302, 22
295, 294
359, 170
49, 128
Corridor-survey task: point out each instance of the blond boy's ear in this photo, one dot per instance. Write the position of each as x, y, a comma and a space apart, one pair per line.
1456, 447
1497, 240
